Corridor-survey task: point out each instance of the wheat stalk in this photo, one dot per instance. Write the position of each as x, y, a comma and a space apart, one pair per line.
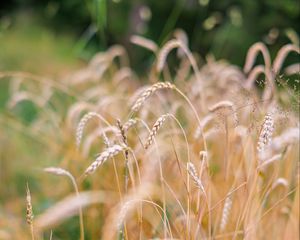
63, 172
104, 156
148, 92
157, 125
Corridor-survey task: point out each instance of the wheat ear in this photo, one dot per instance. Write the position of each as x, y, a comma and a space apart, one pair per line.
104, 156
129, 124
226, 212
82, 124
157, 125
29, 212
148, 92
193, 173
265, 135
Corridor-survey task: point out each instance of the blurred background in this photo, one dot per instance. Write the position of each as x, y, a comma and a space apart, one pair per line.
55, 36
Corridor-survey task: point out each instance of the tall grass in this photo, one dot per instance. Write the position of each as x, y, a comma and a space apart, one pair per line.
223, 166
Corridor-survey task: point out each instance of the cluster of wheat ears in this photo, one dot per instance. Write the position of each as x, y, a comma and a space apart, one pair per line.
207, 152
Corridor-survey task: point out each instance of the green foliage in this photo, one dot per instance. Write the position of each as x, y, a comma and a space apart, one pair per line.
218, 27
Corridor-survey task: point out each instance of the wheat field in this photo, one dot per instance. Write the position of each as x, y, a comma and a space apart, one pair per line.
200, 150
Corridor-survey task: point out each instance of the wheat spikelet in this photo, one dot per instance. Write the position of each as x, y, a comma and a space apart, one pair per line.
265, 135
144, 42
82, 124
193, 173
148, 92
159, 122
29, 212
104, 156
226, 212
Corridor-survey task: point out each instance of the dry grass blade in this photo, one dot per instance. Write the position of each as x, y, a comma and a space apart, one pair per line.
68, 207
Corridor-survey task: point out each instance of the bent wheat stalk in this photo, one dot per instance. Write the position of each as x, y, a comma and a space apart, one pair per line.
63, 172
169, 46
144, 42
282, 54
252, 54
